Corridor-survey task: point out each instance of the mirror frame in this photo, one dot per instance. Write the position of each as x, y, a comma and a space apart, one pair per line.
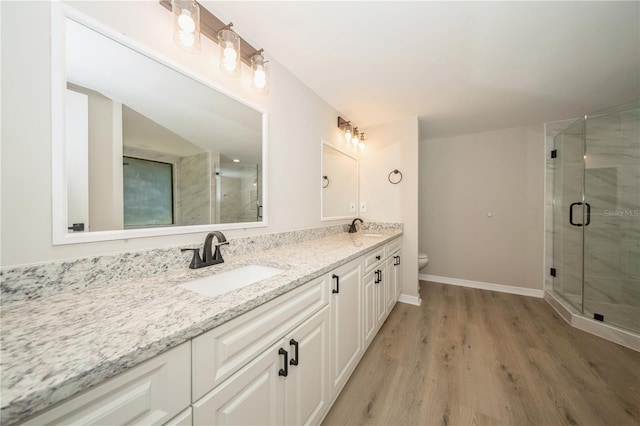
59, 202
324, 218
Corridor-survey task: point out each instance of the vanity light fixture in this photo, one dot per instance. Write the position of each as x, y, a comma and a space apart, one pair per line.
348, 132
186, 24
229, 43
259, 73
361, 145
190, 14
351, 133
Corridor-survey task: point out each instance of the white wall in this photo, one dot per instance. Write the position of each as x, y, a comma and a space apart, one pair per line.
298, 120
389, 147
465, 178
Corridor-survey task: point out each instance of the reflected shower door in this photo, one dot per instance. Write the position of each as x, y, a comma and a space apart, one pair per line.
568, 213
612, 238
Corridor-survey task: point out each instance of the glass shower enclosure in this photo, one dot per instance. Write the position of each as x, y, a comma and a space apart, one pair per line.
596, 217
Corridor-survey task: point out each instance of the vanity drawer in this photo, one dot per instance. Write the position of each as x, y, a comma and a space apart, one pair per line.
394, 246
372, 259
219, 353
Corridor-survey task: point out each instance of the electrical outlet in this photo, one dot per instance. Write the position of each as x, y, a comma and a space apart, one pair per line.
352, 207
363, 206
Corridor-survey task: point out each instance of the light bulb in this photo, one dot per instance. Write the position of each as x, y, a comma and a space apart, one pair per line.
259, 77
187, 38
230, 53
186, 22
347, 134
230, 56
354, 140
361, 145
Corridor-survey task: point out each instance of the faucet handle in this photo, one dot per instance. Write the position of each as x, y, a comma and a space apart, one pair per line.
196, 261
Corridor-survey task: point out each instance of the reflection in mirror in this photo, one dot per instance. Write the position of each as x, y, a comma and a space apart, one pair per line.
339, 183
147, 146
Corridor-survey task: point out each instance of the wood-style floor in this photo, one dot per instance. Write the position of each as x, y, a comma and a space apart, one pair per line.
476, 357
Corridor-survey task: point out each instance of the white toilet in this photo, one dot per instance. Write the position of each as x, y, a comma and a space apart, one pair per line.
423, 259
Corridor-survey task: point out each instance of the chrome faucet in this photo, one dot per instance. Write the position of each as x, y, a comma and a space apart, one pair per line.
209, 256
352, 227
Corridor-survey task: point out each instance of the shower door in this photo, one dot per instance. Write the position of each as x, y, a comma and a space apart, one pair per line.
612, 239
568, 214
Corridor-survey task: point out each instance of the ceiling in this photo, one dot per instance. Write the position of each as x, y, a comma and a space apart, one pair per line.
461, 67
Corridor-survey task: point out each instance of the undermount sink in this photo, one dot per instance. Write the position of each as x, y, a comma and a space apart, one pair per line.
234, 279
370, 234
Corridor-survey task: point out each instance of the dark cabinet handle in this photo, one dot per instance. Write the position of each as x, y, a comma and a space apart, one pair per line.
378, 257
378, 277
397, 260
294, 361
571, 213
337, 289
284, 371
588, 214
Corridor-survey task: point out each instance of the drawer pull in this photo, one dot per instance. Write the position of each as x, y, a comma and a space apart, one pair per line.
337, 289
284, 371
378, 257
294, 361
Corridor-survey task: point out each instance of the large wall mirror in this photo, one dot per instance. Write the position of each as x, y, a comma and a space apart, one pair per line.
339, 196
143, 148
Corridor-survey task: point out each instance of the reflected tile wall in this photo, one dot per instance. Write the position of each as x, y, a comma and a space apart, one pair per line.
195, 189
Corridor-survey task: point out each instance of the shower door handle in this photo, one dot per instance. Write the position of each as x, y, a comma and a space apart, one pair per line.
571, 213
588, 214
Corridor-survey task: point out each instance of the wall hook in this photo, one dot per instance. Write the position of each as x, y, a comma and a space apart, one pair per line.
396, 180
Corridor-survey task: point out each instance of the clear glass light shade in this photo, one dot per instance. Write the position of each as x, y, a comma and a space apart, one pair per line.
229, 43
355, 139
259, 74
348, 132
186, 24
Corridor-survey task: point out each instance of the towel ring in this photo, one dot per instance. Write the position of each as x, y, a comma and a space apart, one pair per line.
395, 172
325, 178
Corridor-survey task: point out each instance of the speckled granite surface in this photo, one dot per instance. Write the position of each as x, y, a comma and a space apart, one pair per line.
55, 346
32, 282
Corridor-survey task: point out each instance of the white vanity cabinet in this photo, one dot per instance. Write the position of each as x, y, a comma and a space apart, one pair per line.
269, 366
346, 322
381, 286
152, 393
283, 362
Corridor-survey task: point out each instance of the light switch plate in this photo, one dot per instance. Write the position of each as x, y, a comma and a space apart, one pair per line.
352, 207
363, 206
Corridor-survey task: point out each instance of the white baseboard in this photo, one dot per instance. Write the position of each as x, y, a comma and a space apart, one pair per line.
411, 300
481, 285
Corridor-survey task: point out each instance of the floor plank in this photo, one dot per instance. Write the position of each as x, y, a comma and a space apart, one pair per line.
476, 357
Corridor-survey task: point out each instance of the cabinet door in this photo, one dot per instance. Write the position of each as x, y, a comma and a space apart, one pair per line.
254, 395
398, 274
392, 283
381, 303
346, 324
307, 388
369, 307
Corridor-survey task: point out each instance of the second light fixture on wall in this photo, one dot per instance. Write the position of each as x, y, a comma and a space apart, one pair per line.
188, 17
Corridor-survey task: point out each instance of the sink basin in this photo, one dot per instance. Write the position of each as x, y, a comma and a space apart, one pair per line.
234, 279
370, 234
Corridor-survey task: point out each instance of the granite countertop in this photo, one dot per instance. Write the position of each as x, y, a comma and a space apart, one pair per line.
54, 347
